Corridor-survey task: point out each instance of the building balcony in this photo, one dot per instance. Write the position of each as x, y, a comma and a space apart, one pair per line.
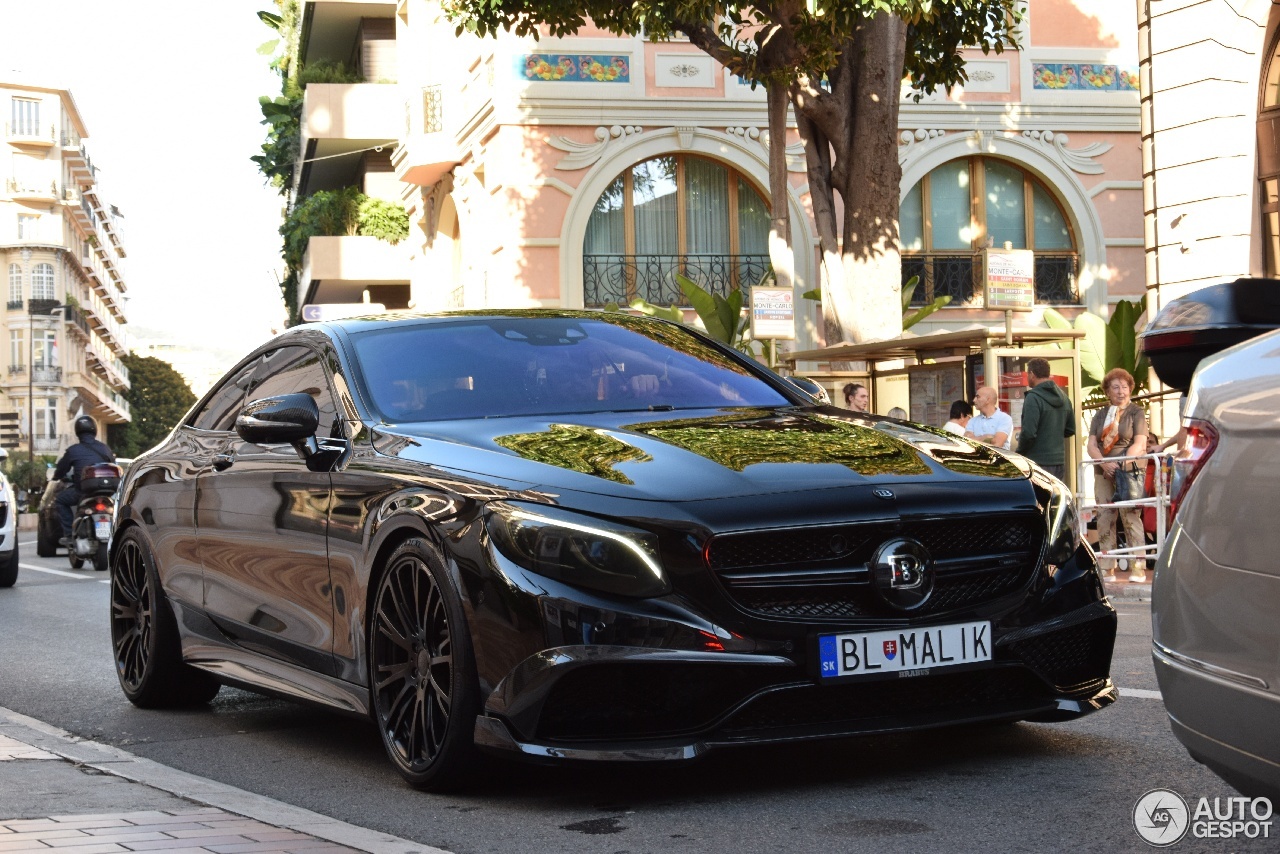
31, 190
959, 276
339, 269
47, 445
344, 118
77, 160
355, 111
76, 322
24, 133
15, 305
44, 374
622, 279
428, 149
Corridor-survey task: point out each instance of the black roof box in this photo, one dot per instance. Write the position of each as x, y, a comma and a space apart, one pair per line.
1206, 321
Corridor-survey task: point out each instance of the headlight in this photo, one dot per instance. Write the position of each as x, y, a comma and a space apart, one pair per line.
579, 550
1062, 521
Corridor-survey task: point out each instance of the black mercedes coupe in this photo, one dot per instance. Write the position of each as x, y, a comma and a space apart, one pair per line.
577, 535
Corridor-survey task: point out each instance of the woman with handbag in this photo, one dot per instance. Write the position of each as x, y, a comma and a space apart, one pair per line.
1117, 432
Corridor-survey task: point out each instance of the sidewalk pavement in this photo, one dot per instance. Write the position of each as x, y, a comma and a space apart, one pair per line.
60, 793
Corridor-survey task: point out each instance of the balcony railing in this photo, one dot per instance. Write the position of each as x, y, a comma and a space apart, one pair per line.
47, 444
40, 374
31, 187
14, 305
960, 277
30, 130
624, 278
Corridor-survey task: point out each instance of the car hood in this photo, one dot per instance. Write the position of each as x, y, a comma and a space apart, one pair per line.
673, 456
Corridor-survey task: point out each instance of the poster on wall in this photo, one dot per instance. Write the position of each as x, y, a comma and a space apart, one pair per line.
933, 388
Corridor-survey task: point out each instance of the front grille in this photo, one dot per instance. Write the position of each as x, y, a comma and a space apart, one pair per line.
642, 700
904, 702
1070, 657
817, 574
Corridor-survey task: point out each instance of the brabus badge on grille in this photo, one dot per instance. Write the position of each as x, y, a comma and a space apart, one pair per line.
902, 573
886, 494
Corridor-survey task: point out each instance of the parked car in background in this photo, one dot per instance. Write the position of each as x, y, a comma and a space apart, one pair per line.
8, 529
583, 535
1216, 590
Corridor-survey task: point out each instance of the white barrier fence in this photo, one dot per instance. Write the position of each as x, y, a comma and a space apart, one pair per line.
1159, 499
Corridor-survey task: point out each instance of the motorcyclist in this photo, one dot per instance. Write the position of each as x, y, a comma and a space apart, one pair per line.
86, 452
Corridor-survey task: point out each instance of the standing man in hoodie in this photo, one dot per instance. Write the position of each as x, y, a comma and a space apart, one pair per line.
1047, 419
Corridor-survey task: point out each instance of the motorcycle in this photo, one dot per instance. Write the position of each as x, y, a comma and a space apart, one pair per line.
94, 518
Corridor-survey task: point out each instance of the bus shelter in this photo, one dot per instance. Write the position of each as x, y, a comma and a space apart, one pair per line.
924, 374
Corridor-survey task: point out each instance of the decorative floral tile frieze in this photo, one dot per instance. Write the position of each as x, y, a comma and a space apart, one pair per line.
574, 67
1083, 77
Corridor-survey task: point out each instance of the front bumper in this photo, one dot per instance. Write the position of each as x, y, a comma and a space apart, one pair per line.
618, 703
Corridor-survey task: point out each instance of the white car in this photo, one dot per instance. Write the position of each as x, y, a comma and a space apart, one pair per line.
8, 530
1216, 590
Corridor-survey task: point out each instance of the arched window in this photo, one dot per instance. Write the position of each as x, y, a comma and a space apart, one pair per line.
1269, 154
674, 214
974, 202
15, 286
42, 282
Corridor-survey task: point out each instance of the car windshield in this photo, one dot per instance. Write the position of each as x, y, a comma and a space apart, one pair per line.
505, 366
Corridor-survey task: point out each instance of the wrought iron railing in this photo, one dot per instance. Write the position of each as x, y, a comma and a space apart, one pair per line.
42, 374
14, 305
960, 277
623, 278
432, 109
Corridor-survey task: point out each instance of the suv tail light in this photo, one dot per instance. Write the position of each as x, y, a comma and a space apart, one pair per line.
1202, 439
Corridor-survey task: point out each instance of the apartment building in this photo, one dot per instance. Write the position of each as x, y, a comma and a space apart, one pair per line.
62, 251
586, 170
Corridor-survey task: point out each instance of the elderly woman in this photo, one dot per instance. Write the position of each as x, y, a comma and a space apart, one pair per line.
1118, 431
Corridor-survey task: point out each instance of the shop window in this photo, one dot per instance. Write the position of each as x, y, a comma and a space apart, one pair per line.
968, 204
674, 214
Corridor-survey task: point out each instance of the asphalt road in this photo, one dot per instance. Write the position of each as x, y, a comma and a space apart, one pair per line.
1026, 787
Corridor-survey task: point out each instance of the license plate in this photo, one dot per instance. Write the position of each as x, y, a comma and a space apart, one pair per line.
102, 530
903, 651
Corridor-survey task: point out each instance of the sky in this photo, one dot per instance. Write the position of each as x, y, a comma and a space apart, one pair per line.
168, 92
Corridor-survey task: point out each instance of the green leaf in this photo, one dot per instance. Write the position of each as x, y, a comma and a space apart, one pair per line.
705, 305
671, 312
815, 295
1092, 348
908, 290
909, 320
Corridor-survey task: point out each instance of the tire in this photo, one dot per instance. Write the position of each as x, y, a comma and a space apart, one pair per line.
144, 635
101, 558
76, 560
9, 569
46, 541
423, 687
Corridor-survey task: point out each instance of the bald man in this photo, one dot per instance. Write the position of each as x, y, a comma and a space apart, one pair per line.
989, 424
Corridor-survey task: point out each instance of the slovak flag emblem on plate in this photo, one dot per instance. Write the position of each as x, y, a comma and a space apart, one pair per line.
890, 649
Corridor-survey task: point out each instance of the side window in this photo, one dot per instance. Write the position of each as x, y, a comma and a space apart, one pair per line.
290, 370
220, 410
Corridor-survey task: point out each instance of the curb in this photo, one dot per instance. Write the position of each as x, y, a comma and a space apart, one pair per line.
121, 763
1130, 592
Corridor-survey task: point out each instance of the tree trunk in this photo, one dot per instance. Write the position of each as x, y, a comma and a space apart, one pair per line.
781, 255
870, 249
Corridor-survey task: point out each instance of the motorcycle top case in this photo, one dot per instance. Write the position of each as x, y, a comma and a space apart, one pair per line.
99, 479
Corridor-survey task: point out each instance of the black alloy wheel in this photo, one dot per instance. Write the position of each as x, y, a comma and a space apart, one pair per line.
422, 673
144, 635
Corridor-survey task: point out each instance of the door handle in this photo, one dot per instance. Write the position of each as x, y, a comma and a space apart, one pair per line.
222, 462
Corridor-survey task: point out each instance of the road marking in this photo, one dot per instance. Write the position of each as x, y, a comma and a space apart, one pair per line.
80, 576
1140, 693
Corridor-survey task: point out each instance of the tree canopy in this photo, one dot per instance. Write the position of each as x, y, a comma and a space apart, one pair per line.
158, 398
840, 65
